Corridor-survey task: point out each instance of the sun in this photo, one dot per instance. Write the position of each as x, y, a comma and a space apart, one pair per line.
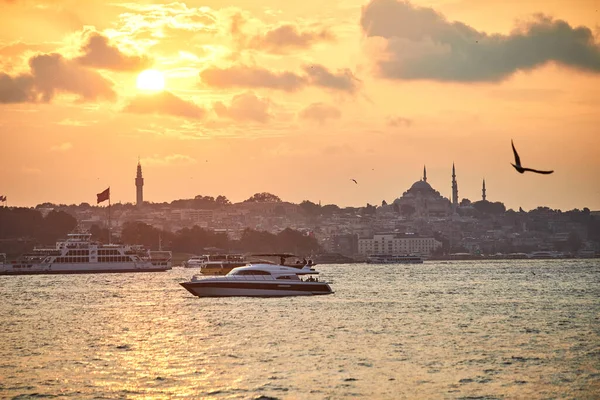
151, 79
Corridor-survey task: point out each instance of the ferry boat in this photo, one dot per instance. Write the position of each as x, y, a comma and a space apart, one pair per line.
259, 280
78, 254
394, 259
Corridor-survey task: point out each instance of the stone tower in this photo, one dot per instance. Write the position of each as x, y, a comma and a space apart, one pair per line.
483, 191
139, 185
454, 190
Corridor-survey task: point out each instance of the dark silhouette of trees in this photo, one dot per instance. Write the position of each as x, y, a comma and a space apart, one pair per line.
99, 234
297, 242
488, 207
56, 225
286, 241
196, 239
258, 241
21, 229
329, 210
141, 233
369, 210
201, 202
396, 208
222, 200
263, 197
29, 223
311, 208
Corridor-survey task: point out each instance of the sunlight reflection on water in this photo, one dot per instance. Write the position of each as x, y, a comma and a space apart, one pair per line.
502, 329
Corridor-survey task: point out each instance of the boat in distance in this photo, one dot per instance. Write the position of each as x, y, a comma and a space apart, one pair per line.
394, 259
78, 254
260, 280
221, 264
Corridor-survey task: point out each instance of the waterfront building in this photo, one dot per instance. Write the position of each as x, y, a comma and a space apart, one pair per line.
397, 244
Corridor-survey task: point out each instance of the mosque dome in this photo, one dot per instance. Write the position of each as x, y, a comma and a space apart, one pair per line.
421, 186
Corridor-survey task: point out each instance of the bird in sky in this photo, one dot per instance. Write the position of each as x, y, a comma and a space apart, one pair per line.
354, 181
521, 169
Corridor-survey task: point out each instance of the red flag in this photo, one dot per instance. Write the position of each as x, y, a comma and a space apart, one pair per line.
2, 198
103, 196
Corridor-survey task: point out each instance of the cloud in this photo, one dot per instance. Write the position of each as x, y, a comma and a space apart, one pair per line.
245, 76
62, 147
173, 159
16, 90
245, 107
98, 53
257, 77
399, 121
74, 122
287, 37
51, 74
320, 112
168, 28
18, 48
164, 103
344, 80
421, 43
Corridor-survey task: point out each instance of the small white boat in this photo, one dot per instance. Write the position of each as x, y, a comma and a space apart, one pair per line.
394, 259
260, 280
195, 262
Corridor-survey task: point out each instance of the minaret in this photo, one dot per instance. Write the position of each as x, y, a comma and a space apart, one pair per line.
424, 174
139, 185
483, 191
454, 190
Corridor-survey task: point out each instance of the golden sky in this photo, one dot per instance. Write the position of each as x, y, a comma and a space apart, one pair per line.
298, 98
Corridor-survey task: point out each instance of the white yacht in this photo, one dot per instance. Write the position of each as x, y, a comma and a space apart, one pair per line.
394, 259
260, 280
78, 254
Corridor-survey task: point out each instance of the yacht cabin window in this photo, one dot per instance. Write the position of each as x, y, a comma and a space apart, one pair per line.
252, 272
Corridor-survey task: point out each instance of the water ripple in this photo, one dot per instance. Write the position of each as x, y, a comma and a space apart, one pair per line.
459, 330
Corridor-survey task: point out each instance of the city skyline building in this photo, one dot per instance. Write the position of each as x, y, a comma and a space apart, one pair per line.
483, 196
454, 190
139, 185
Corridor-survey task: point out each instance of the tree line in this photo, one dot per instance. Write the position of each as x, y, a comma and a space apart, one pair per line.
199, 240
21, 229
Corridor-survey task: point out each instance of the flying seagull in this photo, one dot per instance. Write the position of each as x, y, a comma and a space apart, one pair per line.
354, 181
521, 169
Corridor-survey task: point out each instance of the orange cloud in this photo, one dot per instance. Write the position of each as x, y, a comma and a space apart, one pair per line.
344, 80
399, 121
248, 76
285, 38
51, 74
420, 43
98, 53
320, 112
164, 103
245, 107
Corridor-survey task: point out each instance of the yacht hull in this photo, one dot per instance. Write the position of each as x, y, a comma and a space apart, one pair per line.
255, 289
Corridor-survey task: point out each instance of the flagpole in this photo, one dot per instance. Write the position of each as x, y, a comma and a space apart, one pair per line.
109, 224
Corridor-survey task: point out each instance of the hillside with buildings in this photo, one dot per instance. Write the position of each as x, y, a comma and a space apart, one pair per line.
420, 221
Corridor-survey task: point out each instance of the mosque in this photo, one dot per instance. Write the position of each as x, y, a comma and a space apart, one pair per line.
421, 200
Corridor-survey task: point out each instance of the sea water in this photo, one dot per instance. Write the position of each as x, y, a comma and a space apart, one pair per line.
515, 329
